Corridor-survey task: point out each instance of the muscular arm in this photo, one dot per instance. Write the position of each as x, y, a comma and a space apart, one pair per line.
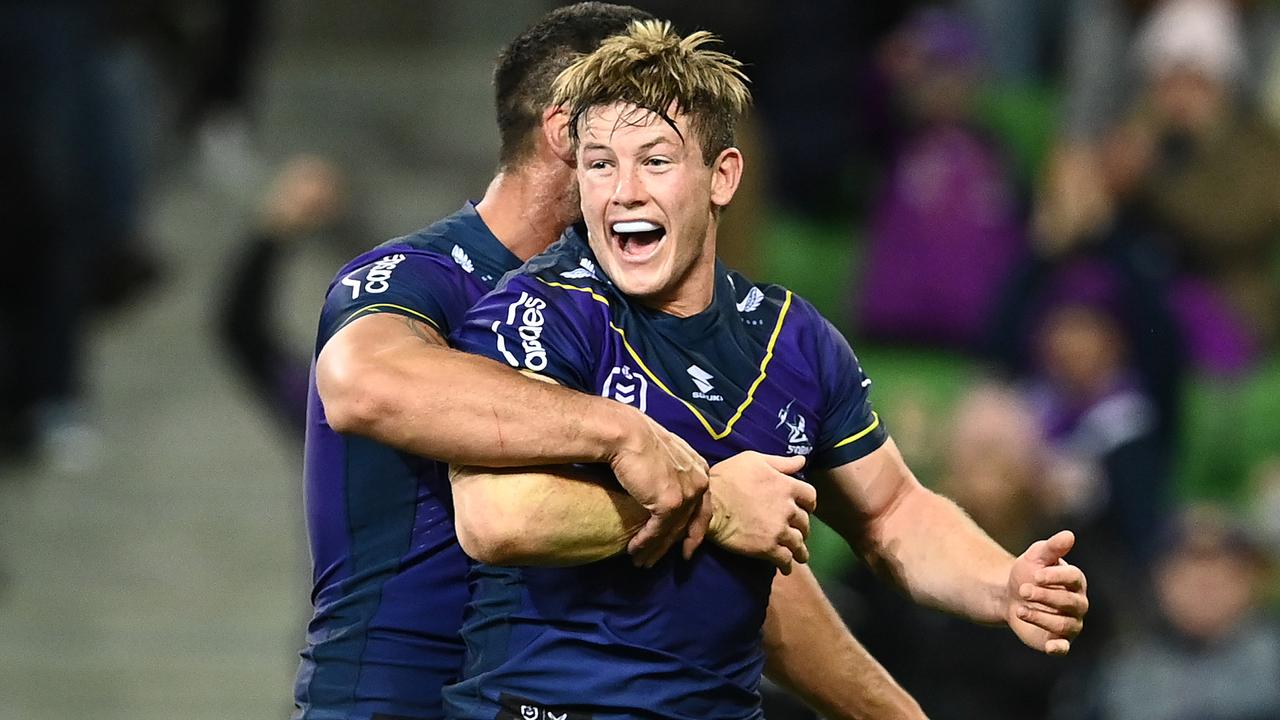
927, 544
540, 516
809, 651
567, 516
395, 380
942, 559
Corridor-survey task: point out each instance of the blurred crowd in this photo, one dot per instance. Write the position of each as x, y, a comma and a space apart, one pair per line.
1081, 198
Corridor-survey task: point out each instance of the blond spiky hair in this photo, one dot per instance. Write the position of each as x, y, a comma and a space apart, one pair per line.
652, 67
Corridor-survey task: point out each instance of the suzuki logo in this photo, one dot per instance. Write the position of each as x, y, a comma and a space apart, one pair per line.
701, 378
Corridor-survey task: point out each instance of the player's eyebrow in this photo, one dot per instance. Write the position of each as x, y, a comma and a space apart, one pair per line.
660, 140
595, 146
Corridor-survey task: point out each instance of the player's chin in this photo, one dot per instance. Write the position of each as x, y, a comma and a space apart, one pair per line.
640, 282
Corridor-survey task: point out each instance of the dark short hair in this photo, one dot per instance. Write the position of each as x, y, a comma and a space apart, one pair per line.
528, 66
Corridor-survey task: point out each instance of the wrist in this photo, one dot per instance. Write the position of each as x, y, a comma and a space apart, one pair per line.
720, 514
1004, 595
614, 430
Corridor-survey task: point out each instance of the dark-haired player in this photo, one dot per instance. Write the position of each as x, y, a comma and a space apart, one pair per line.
389, 576
636, 296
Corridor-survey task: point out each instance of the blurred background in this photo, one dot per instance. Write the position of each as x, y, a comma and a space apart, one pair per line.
1049, 228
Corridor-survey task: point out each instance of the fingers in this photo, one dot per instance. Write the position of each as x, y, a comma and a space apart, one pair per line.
800, 521
1074, 604
1050, 551
1057, 646
1069, 577
781, 559
653, 541
793, 541
806, 495
785, 464
697, 527
1052, 623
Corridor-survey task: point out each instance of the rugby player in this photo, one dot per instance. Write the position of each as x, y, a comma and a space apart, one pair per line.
387, 394
635, 296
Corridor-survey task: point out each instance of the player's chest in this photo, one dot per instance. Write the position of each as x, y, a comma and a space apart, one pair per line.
723, 396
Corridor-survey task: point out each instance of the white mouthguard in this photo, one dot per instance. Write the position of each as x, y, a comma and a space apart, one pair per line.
635, 226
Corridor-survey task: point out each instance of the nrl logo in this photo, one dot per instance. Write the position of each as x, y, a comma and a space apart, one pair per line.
627, 387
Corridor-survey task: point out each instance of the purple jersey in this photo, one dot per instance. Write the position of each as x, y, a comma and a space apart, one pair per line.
760, 370
389, 576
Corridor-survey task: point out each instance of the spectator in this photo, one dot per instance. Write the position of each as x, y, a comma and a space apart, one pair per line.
1091, 341
305, 197
945, 230
1194, 163
1214, 656
994, 461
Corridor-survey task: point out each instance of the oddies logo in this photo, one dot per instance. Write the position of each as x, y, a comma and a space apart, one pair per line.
529, 310
375, 281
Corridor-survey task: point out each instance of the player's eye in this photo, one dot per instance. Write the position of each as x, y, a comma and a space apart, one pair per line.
657, 162
597, 164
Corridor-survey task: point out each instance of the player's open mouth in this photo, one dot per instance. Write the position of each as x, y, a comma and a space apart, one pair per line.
637, 240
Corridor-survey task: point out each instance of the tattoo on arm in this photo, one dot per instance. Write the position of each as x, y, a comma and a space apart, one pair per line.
422, 331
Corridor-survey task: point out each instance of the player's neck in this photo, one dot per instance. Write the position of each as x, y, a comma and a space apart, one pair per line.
528, 209
694, 292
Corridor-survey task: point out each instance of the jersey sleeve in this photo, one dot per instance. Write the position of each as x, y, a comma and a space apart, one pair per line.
405, 282
533, 328
851, 429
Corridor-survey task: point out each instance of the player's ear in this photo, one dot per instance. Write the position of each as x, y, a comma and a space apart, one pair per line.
555, 129
726, 174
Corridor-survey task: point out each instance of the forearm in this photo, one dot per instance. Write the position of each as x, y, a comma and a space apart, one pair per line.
939, 556
541, 517
810, 652
417, 395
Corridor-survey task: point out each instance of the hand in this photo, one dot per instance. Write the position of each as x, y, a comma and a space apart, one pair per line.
759, 510
304, 197
1047, 596
668, 479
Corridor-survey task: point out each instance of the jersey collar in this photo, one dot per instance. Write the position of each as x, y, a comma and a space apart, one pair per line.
482, 245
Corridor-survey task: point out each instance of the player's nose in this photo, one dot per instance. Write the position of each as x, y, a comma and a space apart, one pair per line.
629, 192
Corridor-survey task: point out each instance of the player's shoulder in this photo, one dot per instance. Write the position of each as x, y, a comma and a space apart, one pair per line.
388, 255
763, 304
567, 265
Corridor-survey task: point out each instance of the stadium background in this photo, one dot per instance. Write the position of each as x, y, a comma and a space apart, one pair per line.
152, 555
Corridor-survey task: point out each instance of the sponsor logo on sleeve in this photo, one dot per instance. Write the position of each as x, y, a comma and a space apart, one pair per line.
376, 279
525, 315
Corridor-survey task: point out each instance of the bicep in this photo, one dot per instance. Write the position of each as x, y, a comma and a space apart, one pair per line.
363, 341
854, 496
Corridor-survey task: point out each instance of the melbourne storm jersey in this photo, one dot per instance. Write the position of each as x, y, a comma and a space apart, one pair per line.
389, 576
760, 370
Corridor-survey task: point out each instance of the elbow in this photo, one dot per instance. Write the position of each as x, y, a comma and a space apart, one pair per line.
486, 532
349, 391
489, 544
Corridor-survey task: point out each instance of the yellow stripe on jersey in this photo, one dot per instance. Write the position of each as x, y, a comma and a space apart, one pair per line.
764, 364
378, 306
875, 423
